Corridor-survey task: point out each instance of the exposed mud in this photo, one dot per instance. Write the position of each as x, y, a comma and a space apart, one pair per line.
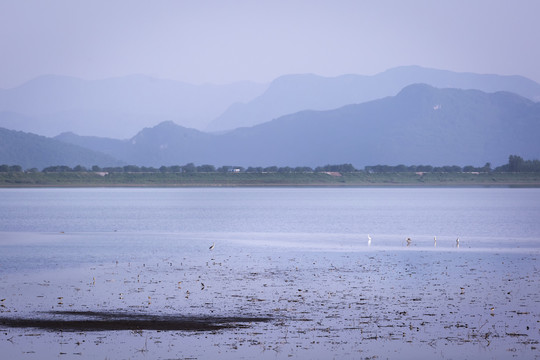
110, 321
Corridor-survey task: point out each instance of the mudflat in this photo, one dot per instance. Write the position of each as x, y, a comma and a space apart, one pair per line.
301, 297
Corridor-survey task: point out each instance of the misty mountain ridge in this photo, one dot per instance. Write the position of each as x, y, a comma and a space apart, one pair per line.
114, 107
420, 125
292, 93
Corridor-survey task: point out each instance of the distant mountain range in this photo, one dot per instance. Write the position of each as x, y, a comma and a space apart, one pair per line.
120, 107
293, 93
298, 120
116, 107
420, 125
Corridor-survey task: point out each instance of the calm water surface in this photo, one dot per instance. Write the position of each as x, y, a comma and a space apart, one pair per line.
507, 214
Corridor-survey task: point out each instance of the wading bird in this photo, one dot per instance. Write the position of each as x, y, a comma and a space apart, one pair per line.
369, 240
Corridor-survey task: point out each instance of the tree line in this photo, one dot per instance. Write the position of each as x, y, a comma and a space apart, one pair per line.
188, 168
515, 164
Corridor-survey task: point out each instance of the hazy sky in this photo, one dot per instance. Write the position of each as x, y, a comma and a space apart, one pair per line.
222, 41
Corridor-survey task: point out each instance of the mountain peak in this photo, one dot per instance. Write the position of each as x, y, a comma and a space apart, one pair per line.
416, 89
166, 130
168, 124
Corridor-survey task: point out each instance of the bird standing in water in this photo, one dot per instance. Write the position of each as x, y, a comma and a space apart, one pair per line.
369, 240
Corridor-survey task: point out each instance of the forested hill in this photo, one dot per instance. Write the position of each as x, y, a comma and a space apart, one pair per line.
33, 151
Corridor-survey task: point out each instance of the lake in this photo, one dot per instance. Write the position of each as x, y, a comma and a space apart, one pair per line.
297, 256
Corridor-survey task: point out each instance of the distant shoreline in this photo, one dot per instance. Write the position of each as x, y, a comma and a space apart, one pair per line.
354, 179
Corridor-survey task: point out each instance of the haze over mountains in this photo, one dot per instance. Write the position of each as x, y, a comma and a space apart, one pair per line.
422, 124
121, 107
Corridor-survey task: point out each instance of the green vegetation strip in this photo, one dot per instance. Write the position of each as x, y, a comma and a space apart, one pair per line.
88, 179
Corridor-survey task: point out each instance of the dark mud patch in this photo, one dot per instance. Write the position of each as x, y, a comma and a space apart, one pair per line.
113, 321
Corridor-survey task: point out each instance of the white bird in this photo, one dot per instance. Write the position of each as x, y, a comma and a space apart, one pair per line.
435, 241
457, 242
369, 240
212, 246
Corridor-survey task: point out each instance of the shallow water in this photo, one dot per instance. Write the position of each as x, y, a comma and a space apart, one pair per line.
500, 212
300, 256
